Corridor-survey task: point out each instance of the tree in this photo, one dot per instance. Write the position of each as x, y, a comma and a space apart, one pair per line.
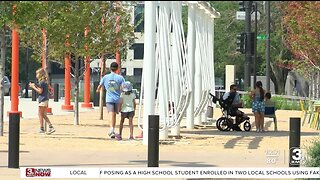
65, 23
226, 29
301, 20
6, 20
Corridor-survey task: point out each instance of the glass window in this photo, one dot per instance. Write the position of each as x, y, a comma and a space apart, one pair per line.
138, 50
123, 71
137, 71
139, 18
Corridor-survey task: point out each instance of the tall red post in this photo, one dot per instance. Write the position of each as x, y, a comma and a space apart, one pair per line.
118, 60
15, 71
67, 83
87, 103
44, 58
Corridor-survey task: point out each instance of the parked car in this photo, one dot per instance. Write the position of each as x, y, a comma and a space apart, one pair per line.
7, 86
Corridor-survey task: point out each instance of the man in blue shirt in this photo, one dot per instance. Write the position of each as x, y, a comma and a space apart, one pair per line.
112, 83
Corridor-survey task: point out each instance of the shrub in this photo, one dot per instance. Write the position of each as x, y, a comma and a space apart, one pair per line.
281, 103
313, 153
247, 100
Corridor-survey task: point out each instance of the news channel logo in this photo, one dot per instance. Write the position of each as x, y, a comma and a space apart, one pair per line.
298, 156
38, 172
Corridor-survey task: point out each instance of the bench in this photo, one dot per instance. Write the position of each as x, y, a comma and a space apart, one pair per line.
270, 112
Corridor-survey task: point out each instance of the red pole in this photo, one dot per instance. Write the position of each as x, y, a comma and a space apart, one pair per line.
67, 83
87, 103
44, 58
15, 71
118, 60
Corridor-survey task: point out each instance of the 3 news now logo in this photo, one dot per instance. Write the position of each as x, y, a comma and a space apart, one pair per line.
297, 156
38, 172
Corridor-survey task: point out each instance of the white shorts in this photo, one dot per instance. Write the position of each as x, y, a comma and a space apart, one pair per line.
44, 103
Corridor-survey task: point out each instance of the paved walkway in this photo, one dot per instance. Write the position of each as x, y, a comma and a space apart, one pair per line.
87, 144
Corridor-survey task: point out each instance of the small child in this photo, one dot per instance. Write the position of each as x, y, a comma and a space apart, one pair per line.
127, 106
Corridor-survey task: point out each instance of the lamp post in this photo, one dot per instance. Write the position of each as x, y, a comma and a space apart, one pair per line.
248, 60
255, 43
268, 46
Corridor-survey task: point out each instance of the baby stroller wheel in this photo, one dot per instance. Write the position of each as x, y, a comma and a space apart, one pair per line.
247, 126
223, 124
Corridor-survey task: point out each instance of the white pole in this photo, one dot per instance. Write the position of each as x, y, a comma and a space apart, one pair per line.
211, 30
198, 78
164, 84
149, 65
176, 52
191, 40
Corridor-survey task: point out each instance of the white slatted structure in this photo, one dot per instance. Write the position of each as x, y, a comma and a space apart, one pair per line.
172, 74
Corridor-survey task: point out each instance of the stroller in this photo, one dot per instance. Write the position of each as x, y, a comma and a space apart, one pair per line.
225, 122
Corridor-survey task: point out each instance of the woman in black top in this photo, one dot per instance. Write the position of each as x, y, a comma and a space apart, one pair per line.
43, 99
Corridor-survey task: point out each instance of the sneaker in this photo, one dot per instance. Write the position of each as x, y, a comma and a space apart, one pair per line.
258, 130
131, 138
51, 130
112, 134
139, 136
41, 131
118, 137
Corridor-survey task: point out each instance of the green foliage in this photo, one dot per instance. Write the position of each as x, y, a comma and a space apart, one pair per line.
313, 152
226, 28
301, 20
280, 102
247, 101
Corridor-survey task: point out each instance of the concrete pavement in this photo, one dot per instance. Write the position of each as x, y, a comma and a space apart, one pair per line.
87, 145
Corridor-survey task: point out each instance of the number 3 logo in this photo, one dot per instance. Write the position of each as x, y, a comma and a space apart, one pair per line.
296, 154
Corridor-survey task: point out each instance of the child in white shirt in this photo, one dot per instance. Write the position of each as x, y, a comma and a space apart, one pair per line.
127, 106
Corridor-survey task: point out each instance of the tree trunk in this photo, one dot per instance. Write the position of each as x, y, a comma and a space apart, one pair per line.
279, 77
76, 92
103, 72
2, 71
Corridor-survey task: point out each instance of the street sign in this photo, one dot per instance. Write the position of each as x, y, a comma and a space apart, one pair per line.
253, 15
262, 37
241, 15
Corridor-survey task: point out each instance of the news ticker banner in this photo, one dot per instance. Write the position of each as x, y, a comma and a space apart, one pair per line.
176, 172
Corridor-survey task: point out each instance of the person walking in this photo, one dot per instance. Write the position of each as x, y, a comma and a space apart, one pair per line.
127, 105
43, 90
258, 106
112, 83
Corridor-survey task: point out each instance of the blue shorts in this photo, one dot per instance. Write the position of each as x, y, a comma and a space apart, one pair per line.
258, 106
112, 107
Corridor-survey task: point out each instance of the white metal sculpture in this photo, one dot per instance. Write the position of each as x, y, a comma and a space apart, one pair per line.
168, 62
